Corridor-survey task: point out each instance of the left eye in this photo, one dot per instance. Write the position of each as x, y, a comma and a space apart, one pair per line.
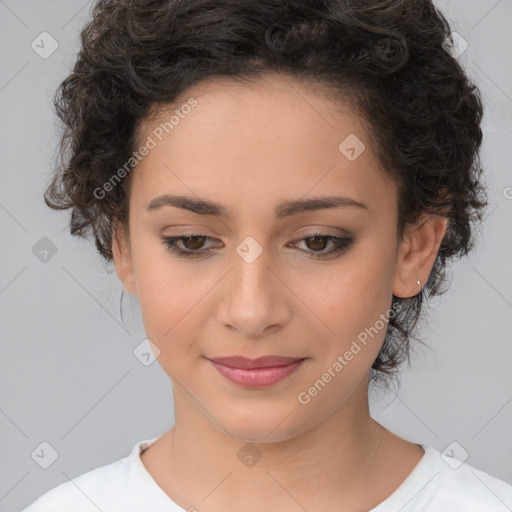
193, 244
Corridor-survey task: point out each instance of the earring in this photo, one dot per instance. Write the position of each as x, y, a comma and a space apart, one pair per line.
421, 287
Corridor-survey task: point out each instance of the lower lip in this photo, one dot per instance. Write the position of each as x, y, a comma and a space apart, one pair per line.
257, 377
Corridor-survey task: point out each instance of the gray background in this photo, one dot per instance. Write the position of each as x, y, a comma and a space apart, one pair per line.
68, 375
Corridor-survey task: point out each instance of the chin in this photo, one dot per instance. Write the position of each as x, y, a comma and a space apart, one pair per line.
262, 427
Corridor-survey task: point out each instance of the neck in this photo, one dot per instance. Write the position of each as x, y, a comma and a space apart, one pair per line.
334, 458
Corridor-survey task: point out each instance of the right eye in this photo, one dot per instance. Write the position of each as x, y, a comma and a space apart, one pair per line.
193, 241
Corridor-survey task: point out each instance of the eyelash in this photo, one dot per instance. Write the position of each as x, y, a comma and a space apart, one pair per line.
341, 244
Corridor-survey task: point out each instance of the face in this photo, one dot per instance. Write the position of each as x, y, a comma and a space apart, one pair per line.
259, 277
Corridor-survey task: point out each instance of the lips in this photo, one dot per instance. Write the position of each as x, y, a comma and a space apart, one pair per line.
256, 373
260, 362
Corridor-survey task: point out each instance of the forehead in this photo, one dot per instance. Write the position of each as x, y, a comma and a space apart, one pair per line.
274, 100
274, 137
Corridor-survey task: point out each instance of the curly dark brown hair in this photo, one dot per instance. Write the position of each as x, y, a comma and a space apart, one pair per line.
387, 56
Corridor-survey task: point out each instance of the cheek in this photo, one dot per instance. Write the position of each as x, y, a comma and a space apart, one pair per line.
171, 312
349, 338
170, 307
169, 295
353, 304
349, 296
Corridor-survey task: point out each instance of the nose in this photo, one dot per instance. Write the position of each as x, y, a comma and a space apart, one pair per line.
255, 300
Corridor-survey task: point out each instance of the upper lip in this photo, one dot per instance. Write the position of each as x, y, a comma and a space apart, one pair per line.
260, 362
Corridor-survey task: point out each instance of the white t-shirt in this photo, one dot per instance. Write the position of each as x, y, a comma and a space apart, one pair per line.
433, 486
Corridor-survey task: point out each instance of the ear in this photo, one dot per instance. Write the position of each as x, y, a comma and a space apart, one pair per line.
417, 254
123, 262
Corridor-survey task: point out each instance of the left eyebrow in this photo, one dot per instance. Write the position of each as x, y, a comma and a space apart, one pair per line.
284, 209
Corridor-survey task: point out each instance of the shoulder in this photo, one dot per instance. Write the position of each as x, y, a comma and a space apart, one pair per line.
108, 487
467, 488
441, 483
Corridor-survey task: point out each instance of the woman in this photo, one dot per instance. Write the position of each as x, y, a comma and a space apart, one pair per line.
278, 183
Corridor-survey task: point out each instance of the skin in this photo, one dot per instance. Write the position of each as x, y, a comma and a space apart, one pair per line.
249, 147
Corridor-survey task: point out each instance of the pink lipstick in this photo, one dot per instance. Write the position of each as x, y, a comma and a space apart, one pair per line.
255, 373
